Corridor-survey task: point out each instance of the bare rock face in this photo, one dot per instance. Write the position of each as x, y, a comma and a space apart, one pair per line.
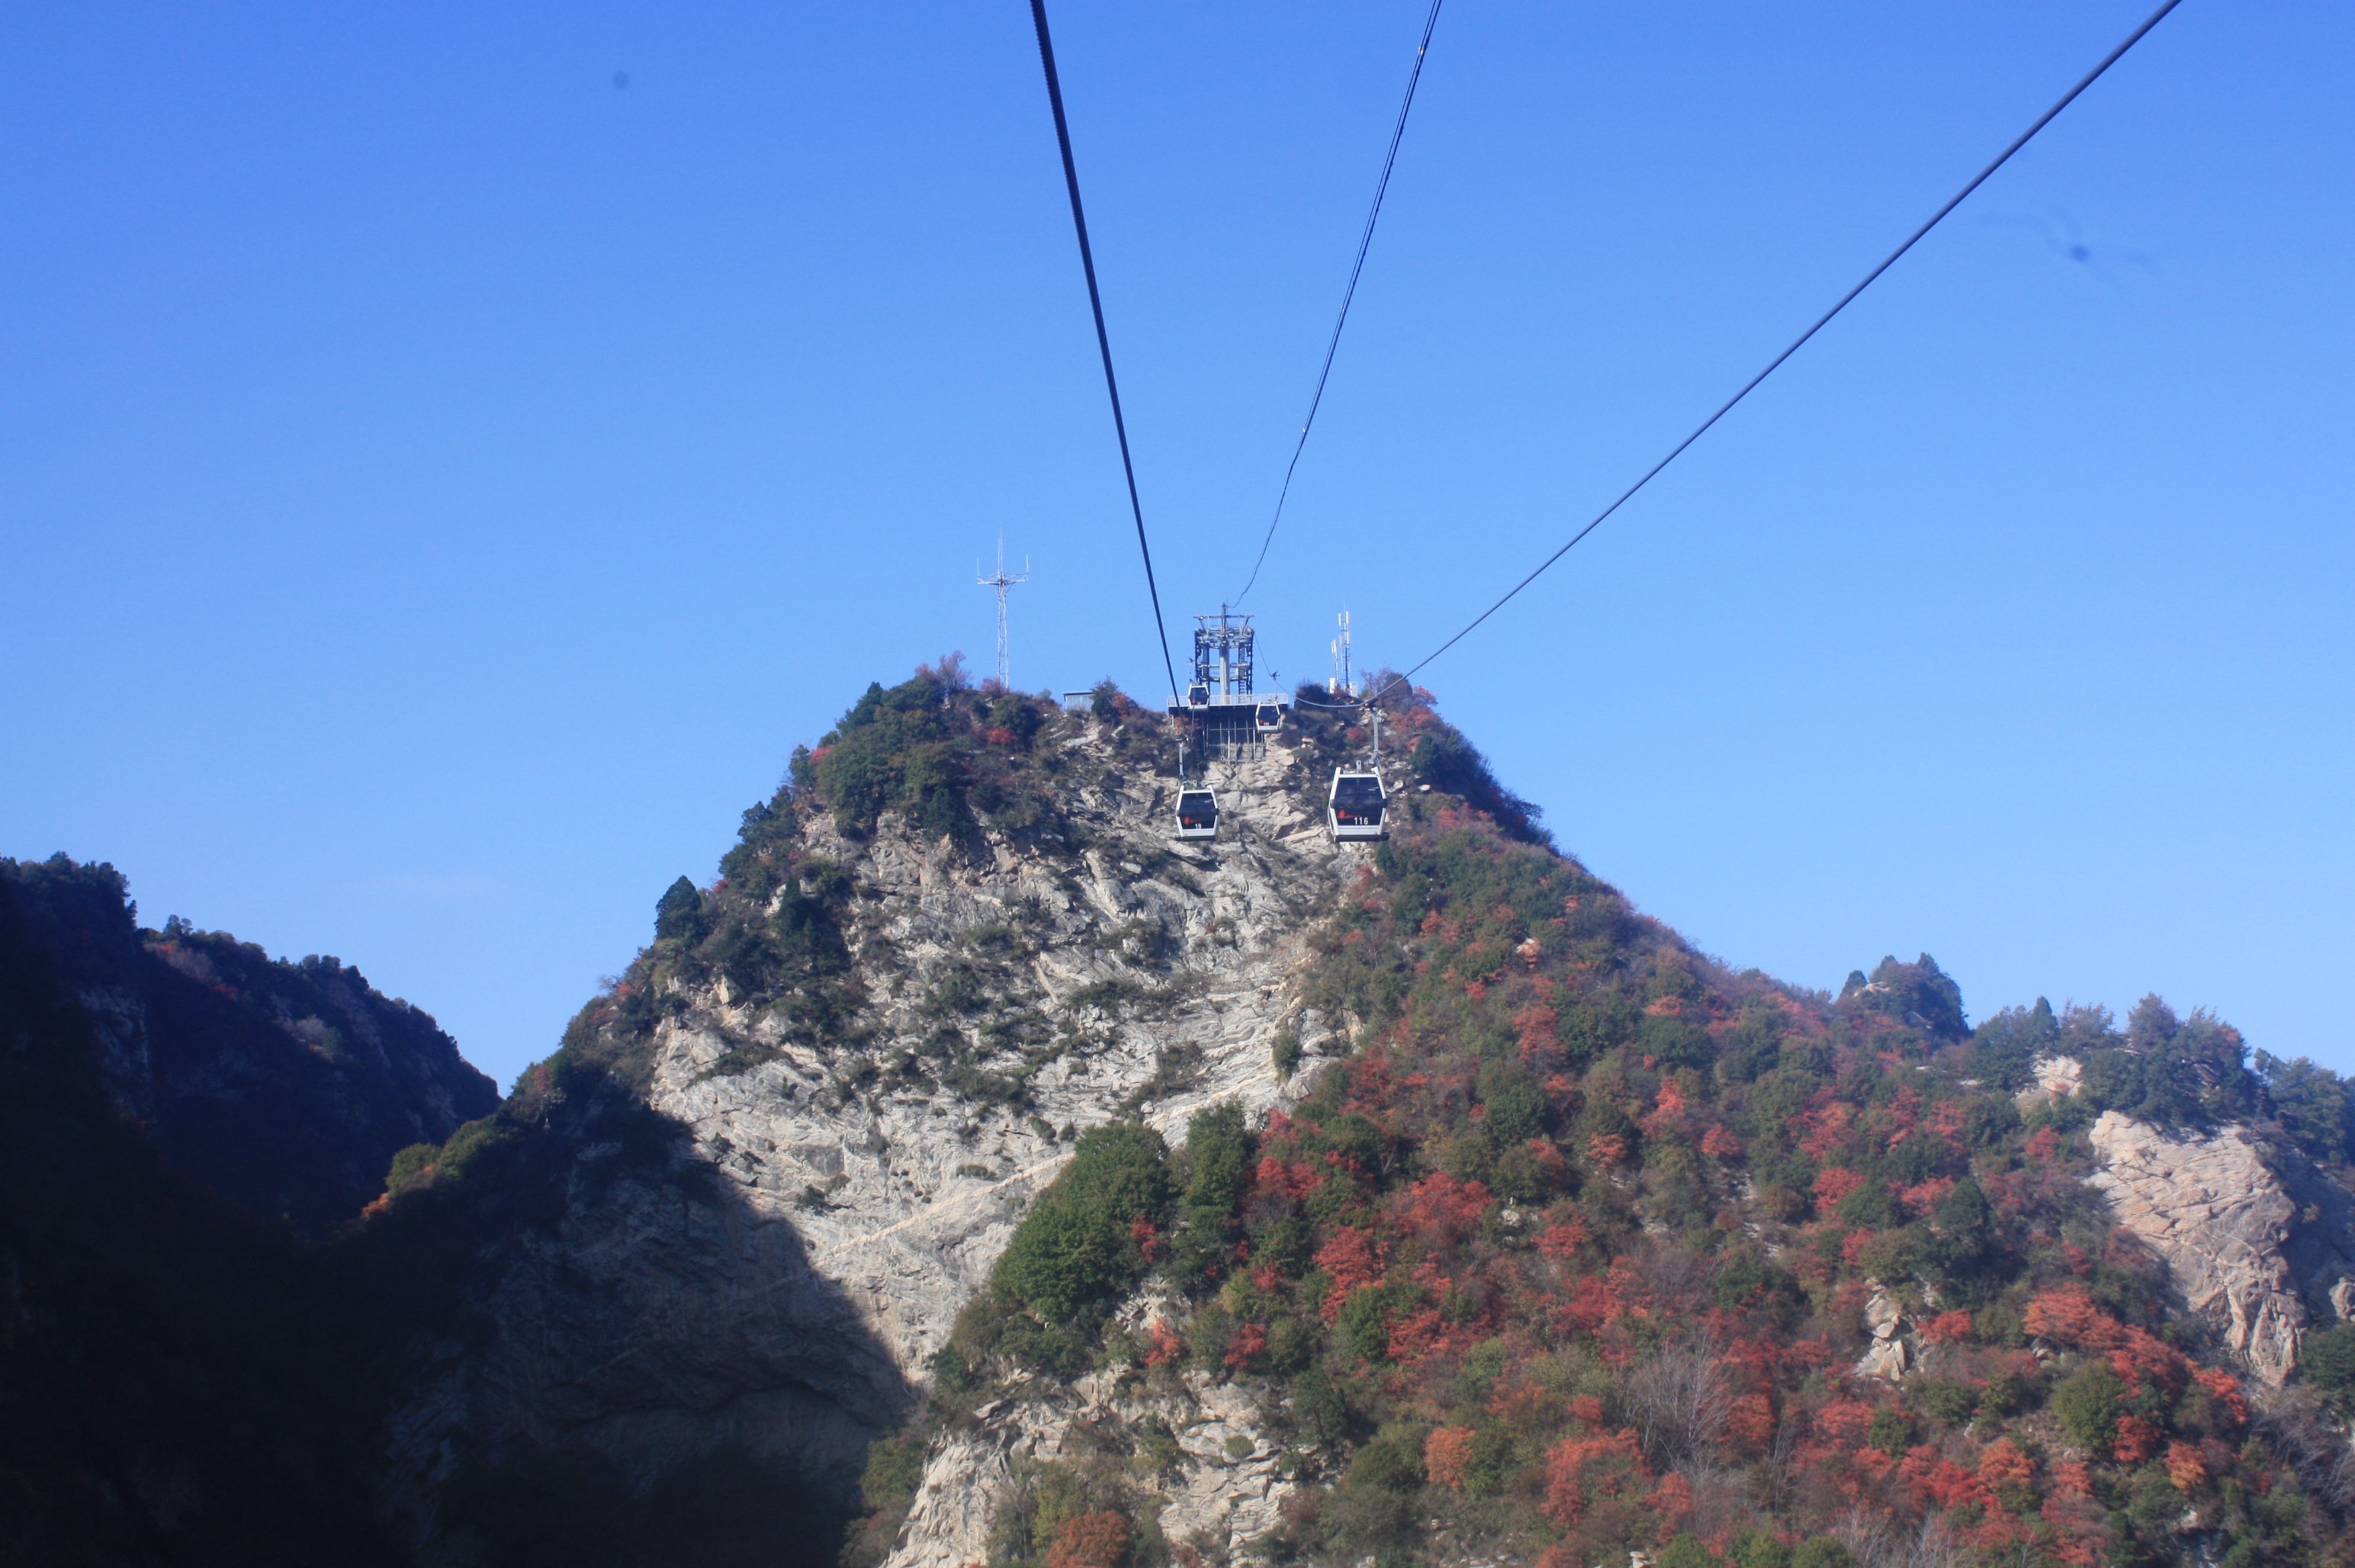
791, 1310
2212, 1208
2055, 1077
1888, 1355
1221, 1487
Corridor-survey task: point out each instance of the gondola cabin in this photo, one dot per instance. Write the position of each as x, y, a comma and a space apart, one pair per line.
1268, 718
1198, 814
1354, 808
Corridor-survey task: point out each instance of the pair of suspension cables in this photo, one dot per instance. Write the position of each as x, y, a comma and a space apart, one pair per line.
1365, 239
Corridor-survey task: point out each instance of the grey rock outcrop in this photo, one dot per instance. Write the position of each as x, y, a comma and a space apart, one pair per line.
2212, 1208
1888, 1355
1212, 1494
792, 1310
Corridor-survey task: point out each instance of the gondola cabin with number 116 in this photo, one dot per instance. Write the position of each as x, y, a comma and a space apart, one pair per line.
1354, 806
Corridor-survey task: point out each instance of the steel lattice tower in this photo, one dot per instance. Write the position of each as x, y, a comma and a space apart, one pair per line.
1001, 580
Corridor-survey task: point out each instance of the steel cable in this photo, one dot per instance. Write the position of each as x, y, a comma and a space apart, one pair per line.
1104, 341
1365, 241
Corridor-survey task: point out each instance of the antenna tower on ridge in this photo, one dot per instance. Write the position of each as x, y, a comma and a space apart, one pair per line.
1001, 580
1343, 686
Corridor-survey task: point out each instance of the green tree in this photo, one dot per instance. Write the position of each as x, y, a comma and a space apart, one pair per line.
2088, 1403
1078, 1247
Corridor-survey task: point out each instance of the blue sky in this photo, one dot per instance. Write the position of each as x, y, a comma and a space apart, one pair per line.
439, 484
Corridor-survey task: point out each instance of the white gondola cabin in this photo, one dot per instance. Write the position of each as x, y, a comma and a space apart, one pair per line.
1198, 814
1354, 808
1268, 718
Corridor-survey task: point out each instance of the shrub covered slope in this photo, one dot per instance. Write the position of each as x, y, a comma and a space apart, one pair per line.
1578, 1251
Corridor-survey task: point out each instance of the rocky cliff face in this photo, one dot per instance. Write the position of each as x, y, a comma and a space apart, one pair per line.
2256, 1241
789, 1307
286, 1088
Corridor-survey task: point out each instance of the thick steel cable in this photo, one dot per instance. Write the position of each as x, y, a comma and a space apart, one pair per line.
2004, 157
1104, 342
1365, 241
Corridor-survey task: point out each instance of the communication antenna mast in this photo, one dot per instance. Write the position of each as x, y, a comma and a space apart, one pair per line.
1001, 580
1342, 685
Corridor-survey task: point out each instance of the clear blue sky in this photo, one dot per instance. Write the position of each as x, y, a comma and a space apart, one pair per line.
439, 485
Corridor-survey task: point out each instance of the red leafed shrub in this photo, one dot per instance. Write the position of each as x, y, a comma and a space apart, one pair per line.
1091, 1540
1447, 1456
2184, 1467
1835, 1184
2145, 1358
1754, 1420
1919, 1200
1351, 1258
2003, 1465
1540, 1044
1607, 1149
1948, 1328
1668, 1113
1417, 1335
1560, 1242
1586, 1408
1592, 1306
1442, 1213
1842, 1422
1578, 1466
999, 737
1719, 1144
2068, 1314
2226, 1389
1672, 1499
1247, 1347
2041, 1148
1824, 1128
2137, 1440
1163, 1345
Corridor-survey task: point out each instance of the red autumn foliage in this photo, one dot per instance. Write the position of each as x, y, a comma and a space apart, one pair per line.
1561, 1240
2185, 1467
1754, 1420
1163, 1345
2000, 1464
2226, 1388
1719, 1144
1353, 1261
1535, 1025
2068, 1314
1835, 1184
1576, 1465
1441, 1213
1091, 1540
2137, 1440
1948, 1328
1447, 1456
1247, 1347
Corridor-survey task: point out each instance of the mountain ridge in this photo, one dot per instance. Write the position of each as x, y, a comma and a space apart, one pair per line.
973, 1173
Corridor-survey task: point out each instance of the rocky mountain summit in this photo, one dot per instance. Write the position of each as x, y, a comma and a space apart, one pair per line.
1065, 1193
975, 1173
859, 1205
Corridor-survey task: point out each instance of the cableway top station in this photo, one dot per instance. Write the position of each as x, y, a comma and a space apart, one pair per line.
1230, 719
